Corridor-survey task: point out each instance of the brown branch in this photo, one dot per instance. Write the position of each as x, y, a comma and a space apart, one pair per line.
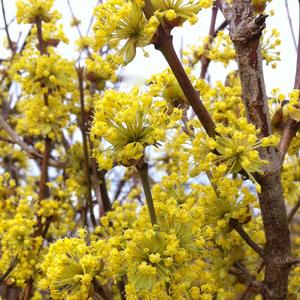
11, 45
261, 266
296, 261
290, 23
167, 49
234, 223
13, 264
293, 211
243, 274
89, 204
245, 33
291, 127
163, 43
33, 153
103, 191
119, 189
205, 61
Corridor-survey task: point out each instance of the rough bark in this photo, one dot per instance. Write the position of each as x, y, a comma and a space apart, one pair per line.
245, 32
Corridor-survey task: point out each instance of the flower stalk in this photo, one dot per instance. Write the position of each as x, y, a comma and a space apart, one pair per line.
143, 172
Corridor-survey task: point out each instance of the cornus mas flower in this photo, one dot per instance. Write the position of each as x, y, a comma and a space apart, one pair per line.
149, 259
29, 11
43, 73
176, 12
165, 85
237, 148
128, 122
122, 25
70, 274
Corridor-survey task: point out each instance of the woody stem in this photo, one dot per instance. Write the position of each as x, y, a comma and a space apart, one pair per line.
143, 172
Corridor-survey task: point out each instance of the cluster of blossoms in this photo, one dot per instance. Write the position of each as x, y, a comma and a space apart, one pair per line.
73, 273
128, 122
221, 49
124, 26
29, 11
121, 21
234, 149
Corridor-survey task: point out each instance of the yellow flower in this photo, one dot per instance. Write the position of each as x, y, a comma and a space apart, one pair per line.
29, 11
71, 273
176, 12
129, 122
121, 21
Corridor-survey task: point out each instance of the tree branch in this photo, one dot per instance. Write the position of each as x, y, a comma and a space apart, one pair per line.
290, 23
245, 33
291, 127
11, 45
11, 267
204, 59
293, 211
243, 274
234, 223
33, 153
164, 44
89, 203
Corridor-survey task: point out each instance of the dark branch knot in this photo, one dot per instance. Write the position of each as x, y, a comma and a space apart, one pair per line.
247, 30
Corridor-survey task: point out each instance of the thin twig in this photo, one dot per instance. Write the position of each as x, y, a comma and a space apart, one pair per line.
142, 168
11, 46
293, 211
243, 274
290, 23
103, 191
33, 153
89, 204
11, 267
205, 61
234, 223
291, 127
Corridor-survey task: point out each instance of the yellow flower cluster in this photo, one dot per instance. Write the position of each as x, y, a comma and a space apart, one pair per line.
45, 80
73, 273
269, 50
176, 12
46, 73
122, 25
233, 150
221, 49
128, 122
18, 243
166, 86
29, 11
98, 70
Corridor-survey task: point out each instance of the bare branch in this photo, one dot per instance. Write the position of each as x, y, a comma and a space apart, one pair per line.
290, 23
33, 153
245, 33
291, 127
243, 274
11, 45
226, 9
238, 228
11, 267
89, 204
163, 43
204, 59
296, 261
293, 211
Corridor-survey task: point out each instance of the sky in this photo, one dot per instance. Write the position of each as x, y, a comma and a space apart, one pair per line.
141, 68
